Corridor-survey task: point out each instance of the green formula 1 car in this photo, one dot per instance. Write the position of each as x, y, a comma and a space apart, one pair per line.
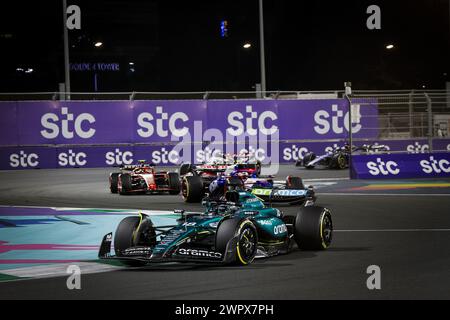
234, 229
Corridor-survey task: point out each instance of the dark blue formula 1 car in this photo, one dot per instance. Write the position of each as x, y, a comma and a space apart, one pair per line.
337, 158
234, 229
290, 191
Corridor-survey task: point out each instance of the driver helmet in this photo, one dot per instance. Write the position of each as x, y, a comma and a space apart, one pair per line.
216, 186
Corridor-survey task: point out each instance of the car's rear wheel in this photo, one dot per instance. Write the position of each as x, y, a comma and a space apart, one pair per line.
185, 168
124, 238
313, 228
258, 168
174, 183
113, 180
244, 250
125, 183
192, 189
339, 161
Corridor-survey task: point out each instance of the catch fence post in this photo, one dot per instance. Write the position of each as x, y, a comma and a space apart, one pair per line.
430, 122
411, 118
347, 96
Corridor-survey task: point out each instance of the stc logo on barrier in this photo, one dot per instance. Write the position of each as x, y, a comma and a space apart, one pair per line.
163, 156
23, 160
55, 124
118, 157
337, 121
71, 158
383, 168
147, 128
294, 153
435, 166
239, 124
164, 123
417, 148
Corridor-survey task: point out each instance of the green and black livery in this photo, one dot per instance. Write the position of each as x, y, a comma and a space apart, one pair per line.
234, 230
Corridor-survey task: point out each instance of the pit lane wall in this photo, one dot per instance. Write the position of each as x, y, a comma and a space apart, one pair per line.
60, 134
400, 166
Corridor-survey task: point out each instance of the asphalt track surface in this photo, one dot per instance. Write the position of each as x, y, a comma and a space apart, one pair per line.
405, 233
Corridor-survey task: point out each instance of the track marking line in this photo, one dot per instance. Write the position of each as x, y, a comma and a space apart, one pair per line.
59, 270
327, 179
400, 186
394, 230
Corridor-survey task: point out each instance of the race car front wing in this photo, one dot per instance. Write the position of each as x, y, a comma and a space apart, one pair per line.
178, 254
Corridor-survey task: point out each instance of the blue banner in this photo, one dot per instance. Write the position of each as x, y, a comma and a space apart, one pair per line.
400, 166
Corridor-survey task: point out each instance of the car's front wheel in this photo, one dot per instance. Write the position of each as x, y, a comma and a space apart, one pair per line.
125, 183
245, 248
125, 237
113, 181
174, 183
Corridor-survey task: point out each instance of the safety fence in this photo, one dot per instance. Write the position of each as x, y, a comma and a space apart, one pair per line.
409, 115
203, 95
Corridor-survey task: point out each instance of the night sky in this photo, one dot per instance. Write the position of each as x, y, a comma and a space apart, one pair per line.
176, 45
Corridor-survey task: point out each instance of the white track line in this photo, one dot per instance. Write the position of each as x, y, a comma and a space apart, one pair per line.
59, 270
327, 179
60, 210
395, 230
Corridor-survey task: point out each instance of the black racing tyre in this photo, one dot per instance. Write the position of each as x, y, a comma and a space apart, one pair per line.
294, 183
113, 180
174, 183
145, 234
125, 181
313, 228
299, 163
338, 161
192, 189
244, 251
258, 168
124, 239
185, 168
310, 156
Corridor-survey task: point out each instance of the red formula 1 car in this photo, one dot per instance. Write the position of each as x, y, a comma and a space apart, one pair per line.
143, 178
